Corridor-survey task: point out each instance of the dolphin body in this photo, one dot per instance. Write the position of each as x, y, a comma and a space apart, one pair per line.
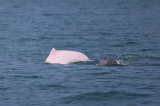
65, 57
108, 61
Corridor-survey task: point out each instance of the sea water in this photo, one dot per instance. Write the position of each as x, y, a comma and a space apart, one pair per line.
121, 29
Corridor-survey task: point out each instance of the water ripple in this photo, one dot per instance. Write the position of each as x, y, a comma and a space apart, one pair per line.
104, 96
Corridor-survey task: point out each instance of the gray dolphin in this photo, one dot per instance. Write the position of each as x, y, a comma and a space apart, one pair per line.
107, 61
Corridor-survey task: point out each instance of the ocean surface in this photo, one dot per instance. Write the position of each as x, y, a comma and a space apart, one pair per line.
121, 29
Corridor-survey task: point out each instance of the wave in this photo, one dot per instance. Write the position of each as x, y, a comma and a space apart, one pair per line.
132, 57
4, 88
27, 39
141, 60
103, 96
53, 86
28, 77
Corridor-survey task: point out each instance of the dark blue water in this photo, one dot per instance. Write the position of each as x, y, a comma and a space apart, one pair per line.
122, 29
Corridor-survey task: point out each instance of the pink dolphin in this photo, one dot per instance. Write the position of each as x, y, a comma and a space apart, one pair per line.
65, 57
